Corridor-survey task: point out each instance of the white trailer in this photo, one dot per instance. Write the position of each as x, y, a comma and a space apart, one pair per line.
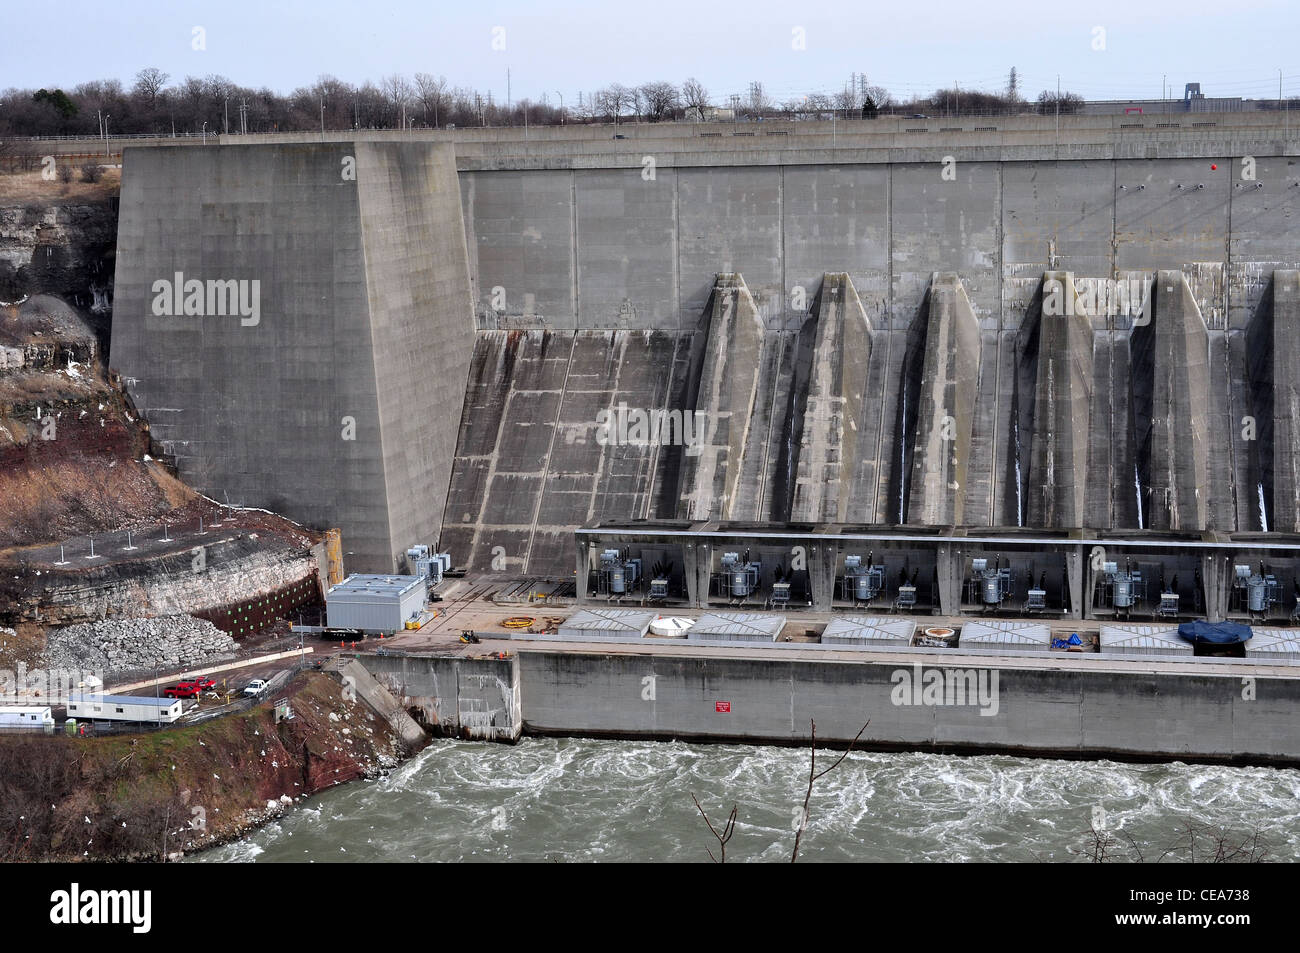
31, 716
124, 708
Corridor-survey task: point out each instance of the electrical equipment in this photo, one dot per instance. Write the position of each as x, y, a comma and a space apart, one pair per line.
1123, 590
905, 599
1036, 597
618, 574
1255, 592
1168, 606
739, 579
659, 583
861, 583
990, 584
422, 561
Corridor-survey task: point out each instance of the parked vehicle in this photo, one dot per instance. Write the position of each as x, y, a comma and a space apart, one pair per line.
255, 687
182, 690
203, 682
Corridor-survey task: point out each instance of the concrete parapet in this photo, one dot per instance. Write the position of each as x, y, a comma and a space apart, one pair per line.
946, 410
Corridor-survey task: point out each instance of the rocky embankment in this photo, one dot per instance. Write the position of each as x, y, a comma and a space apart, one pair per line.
129, 645
155, 795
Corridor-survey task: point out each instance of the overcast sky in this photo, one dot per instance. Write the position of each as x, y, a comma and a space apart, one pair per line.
1101, 49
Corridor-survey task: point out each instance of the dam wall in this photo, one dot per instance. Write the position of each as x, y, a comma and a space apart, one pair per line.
326, 379
1137, 409
860, 322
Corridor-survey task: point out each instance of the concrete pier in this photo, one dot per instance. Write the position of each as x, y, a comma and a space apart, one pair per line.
727, 399
1058, 461
837, 408
945, 415
1179, 366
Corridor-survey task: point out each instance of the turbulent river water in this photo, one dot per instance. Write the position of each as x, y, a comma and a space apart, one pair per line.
583, 800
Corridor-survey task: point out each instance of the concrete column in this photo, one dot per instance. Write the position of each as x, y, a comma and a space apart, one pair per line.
1074, 579
950, 578
1215, 575
690, 573
946, 409
821, 574
581, 577
703, 571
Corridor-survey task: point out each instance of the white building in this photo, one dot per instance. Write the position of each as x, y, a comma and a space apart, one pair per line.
124, 708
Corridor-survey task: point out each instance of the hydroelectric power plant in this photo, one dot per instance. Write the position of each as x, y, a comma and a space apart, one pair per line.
1016, 373
992, 323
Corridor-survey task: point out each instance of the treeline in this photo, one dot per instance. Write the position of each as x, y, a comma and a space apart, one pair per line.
214, 104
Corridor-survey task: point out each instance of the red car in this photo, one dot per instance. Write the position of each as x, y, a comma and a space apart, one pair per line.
203, 682
182, 690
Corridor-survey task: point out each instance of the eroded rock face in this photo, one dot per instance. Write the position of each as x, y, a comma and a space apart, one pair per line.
126, 645
66, 250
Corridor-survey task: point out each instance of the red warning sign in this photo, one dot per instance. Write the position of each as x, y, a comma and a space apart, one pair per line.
724, 707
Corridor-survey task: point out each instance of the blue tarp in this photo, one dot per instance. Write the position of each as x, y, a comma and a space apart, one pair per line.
1217, 633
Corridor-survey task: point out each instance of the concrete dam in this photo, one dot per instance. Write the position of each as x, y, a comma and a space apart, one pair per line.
491, 337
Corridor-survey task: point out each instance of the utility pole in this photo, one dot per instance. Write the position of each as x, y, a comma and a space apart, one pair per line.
322, 115
507, 90
226, 120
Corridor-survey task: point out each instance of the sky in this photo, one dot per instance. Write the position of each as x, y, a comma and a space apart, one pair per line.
1101, 50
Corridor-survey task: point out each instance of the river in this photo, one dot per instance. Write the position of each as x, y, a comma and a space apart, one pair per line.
568, 799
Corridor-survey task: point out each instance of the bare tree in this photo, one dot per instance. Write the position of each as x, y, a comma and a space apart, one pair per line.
613, 101
398, 94
661, 100
727, 830
695, 98
814, 776
1193, 843
431, 92
149, 82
